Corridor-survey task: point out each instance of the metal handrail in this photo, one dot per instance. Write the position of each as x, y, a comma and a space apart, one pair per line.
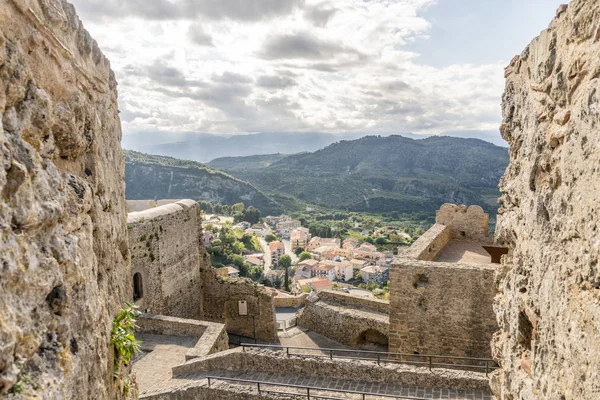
308, 389
490, 364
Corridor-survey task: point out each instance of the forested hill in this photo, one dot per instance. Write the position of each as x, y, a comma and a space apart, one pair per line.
245, 163
391, 173
157, 177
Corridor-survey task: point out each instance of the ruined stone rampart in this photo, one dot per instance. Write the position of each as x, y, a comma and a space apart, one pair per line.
548, 302
365, 303
347, 319
279, 363
468, 223
290, 301
166, 255
441, 308
222, 297
63, 238
212, 337
429, 244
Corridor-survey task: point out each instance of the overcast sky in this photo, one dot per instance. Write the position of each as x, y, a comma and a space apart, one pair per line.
378, 66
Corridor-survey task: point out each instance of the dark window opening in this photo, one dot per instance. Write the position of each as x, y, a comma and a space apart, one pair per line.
525, 331
138, 289
421, 281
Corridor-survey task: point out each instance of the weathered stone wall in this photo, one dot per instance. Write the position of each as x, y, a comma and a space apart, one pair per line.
221, 304
167, 250
382, 306
290, 301
548, 305
470, 223
278, 362
429, 244
441, 308
346, 320
212, 336
140, 205
63, 238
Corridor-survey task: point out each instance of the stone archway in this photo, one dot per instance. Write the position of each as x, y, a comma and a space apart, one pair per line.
372, 339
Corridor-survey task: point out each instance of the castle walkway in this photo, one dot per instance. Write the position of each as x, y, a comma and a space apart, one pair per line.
372, 388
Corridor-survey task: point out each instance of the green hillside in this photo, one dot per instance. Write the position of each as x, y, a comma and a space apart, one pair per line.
379, 174
245, 163
158, 177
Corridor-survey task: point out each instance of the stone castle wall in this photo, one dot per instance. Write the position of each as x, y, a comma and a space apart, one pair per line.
441, 308
469, 223
548, 302
63, 237
349, 320
212, 336
429, 244
382, 306
262, 360
290, 301
167, 251
221, 298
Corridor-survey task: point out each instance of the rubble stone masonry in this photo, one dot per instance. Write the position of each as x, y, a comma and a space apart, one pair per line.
441, 308
548, 303
63, 237
167, 252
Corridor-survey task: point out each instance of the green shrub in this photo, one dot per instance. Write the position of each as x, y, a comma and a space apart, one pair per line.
122, 337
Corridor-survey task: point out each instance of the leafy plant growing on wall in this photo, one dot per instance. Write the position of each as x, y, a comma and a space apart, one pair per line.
124, 342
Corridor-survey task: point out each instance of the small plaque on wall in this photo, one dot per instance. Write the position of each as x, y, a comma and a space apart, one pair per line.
243, 307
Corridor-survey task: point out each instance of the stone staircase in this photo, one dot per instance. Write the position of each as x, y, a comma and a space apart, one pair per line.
319, 386
274, 369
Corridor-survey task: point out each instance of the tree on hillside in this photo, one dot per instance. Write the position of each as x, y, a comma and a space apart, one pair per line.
237, 208
381, 240
286, 281
252, 215
270, 238
286, 262
305, 255
298, 251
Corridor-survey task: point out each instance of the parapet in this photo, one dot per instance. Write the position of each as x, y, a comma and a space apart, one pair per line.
465, 222
151, 213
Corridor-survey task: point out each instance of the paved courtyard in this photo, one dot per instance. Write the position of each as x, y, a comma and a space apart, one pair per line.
159, 354
464, 252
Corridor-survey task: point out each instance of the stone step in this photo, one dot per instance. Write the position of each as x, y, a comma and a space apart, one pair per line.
373, 388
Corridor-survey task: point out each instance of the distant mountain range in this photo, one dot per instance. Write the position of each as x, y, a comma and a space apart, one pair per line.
158, 177
204, 147
379, 174
371, 174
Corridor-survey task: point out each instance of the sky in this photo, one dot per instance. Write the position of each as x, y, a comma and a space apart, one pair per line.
344, 66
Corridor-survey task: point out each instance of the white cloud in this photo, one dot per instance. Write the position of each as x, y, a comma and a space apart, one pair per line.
235, 66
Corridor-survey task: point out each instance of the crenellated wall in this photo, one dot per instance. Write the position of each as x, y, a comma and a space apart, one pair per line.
63, 237
465, 223
548, 302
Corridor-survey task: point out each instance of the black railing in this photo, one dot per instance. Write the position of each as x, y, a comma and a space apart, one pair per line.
308, 392
422, 360
238, 340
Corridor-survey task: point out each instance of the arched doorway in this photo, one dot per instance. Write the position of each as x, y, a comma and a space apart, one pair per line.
138, 286
372, 339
